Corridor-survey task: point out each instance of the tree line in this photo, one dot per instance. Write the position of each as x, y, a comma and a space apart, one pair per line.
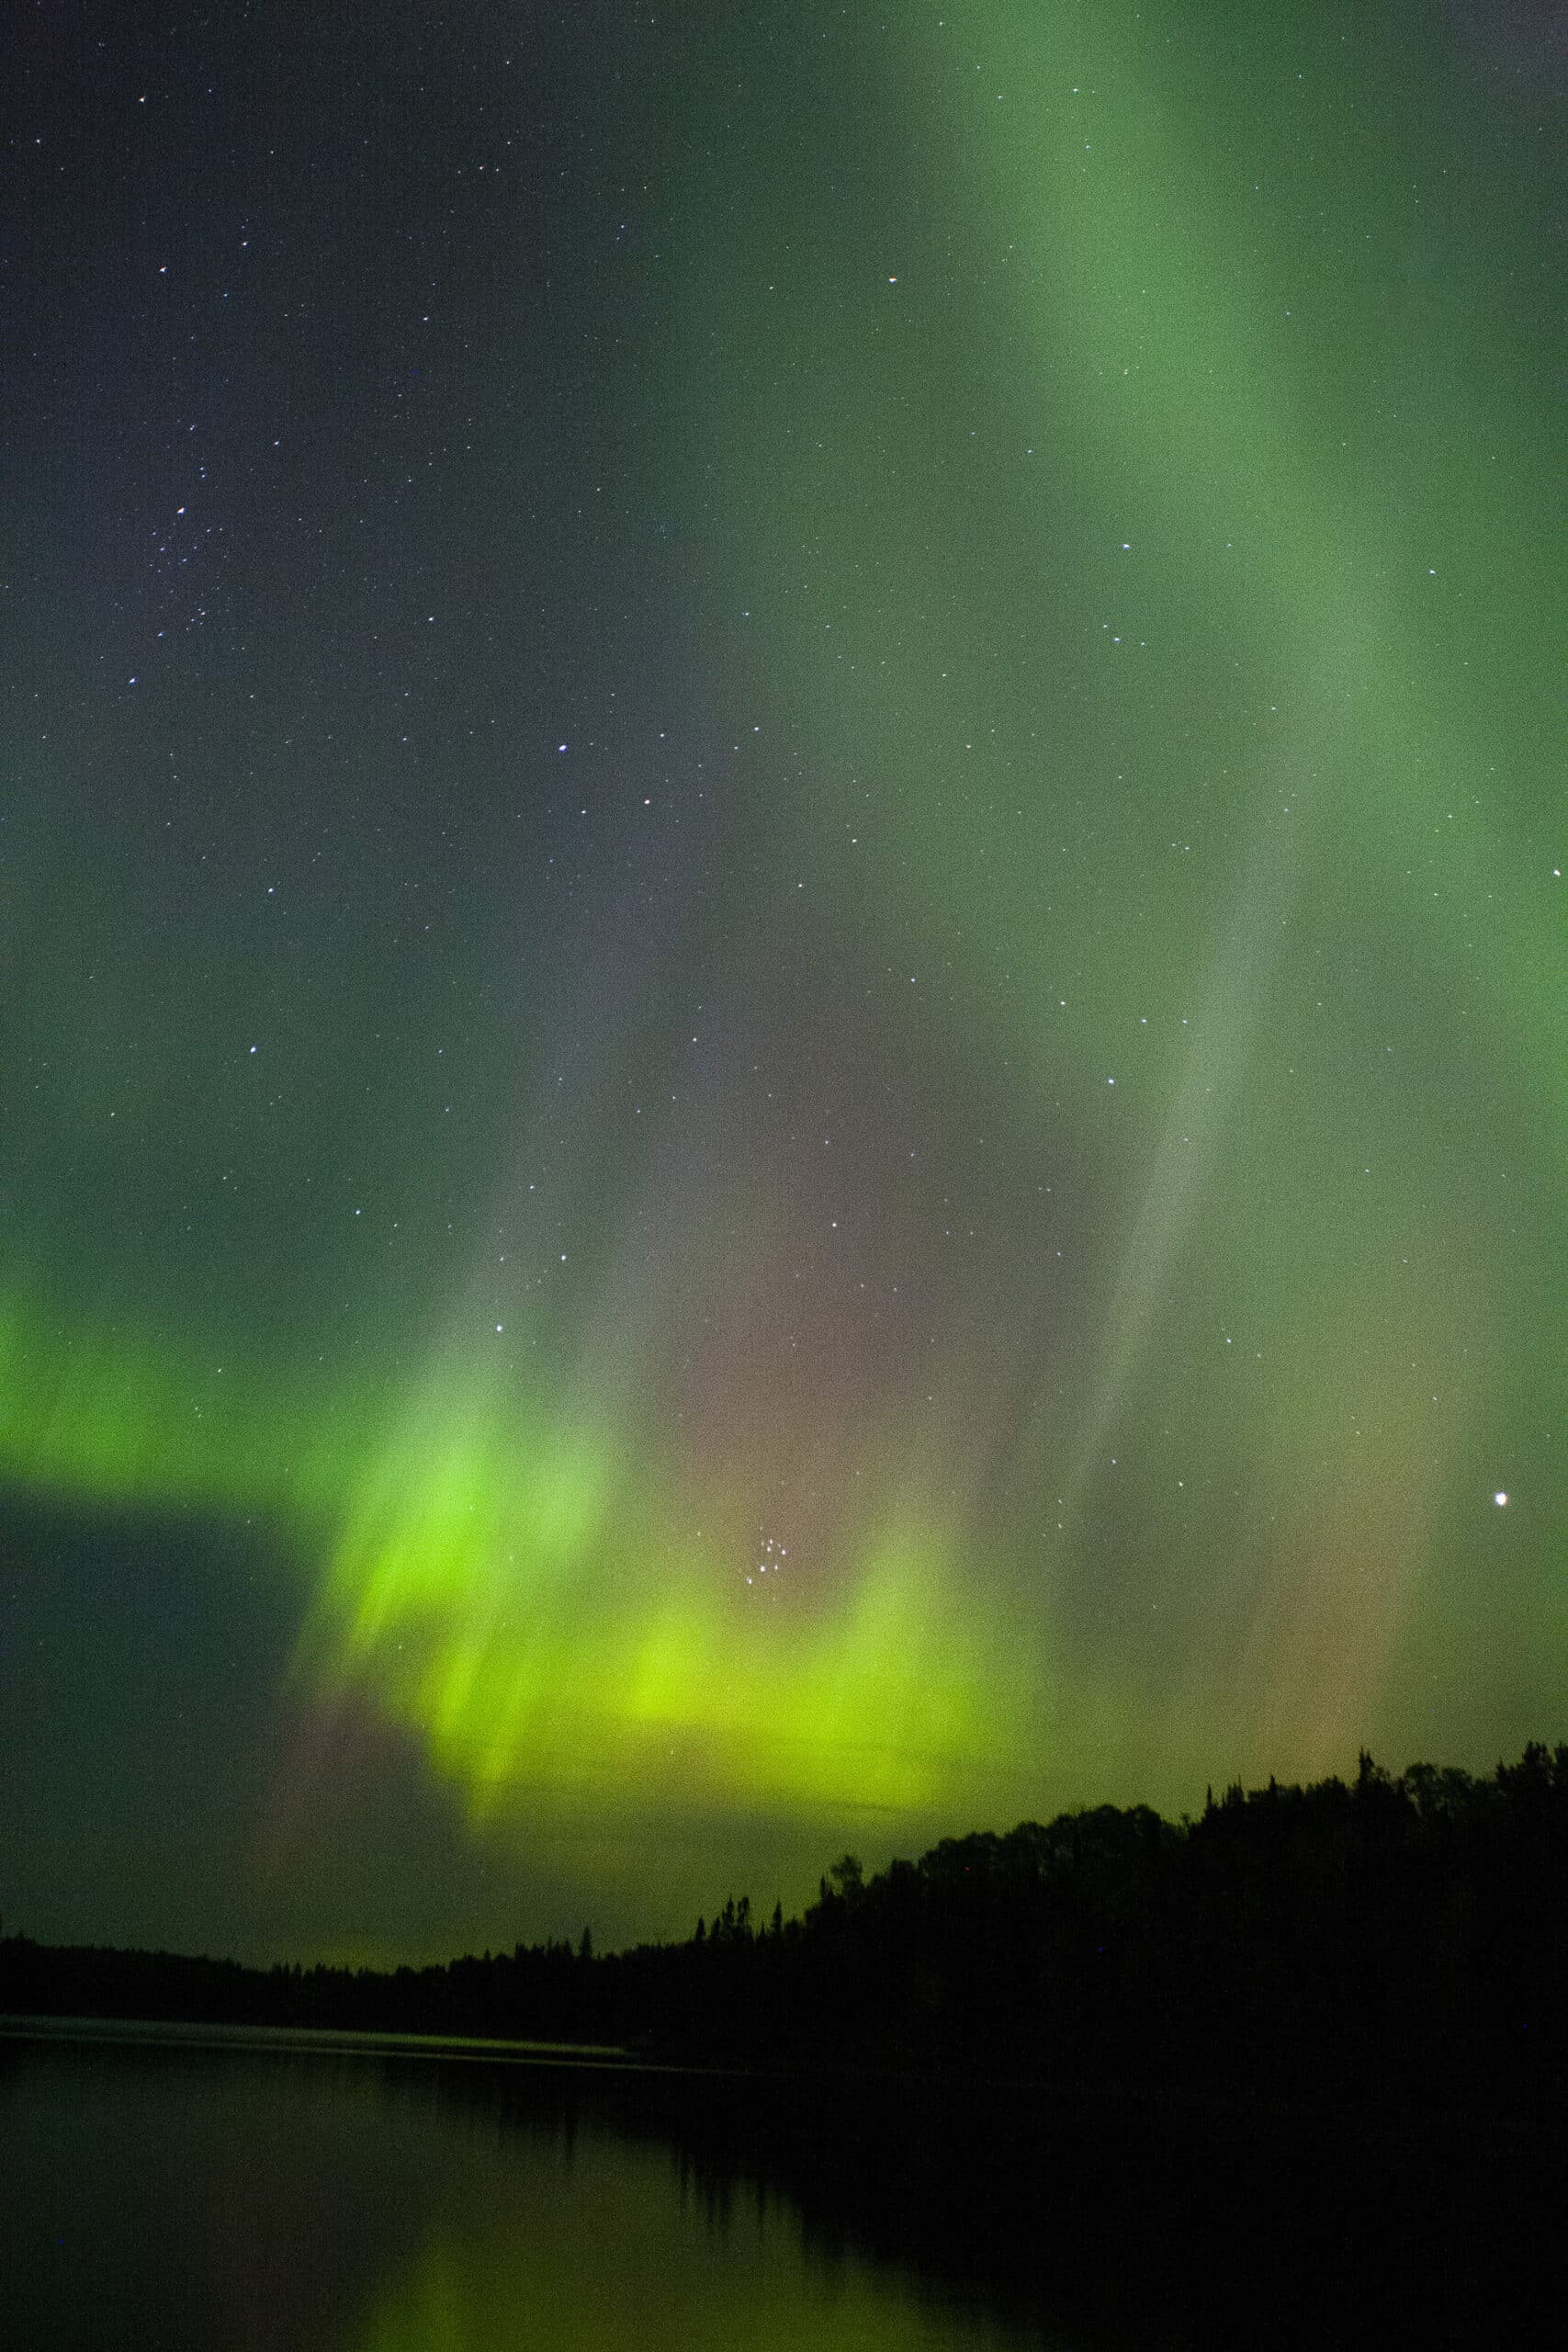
1385, 1938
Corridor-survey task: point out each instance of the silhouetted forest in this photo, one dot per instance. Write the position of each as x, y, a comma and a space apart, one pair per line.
1389, 1940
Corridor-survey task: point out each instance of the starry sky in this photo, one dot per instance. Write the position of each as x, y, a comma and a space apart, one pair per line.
782, 939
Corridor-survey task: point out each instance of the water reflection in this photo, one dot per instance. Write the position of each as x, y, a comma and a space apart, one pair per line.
597, 2248
321, 2202
336, 2200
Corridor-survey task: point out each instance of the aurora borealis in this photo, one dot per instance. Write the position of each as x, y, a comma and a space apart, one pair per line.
784, 961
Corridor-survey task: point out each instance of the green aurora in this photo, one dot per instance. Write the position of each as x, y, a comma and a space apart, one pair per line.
805, 1006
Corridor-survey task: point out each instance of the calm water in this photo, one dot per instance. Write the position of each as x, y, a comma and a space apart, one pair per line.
159, 2195
327, 2197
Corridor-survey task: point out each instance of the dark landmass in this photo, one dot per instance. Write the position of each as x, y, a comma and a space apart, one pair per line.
1394, 1944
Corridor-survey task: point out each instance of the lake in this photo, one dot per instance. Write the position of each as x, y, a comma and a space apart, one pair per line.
209, 2188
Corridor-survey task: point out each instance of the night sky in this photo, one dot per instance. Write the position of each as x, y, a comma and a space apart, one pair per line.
783, 943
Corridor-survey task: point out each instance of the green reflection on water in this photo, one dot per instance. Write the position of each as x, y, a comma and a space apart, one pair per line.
227, 2193
592, 2242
